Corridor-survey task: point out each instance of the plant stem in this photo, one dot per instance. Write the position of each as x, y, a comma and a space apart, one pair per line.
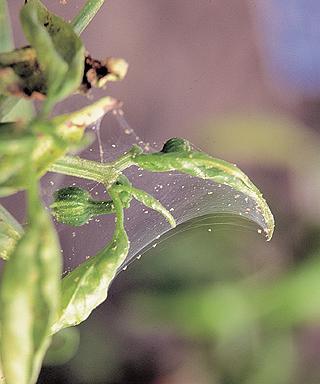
87, 13
119, 229
125, 160
86, 169
106, 173
101, 207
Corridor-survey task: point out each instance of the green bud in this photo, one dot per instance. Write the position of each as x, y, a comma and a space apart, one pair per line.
176, 145
74, 206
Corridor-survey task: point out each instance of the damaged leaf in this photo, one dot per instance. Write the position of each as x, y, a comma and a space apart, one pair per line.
59, 51
177, 155
21, 73
98, 72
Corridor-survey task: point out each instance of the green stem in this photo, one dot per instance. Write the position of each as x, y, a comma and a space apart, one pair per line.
86, 169
126, 160
119, 229
87, 13
106, 173
101, 207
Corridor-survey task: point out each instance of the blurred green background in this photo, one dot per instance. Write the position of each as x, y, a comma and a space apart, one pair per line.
240, 80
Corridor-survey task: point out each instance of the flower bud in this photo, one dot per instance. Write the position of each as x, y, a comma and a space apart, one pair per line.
74, 206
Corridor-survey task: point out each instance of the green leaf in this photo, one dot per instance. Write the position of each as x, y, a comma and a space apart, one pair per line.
22, 110
70, 129
87, 13
17, 142
6, 44
10, 233
7, 103
6, 40
59, 50
201, 165
149, 201
87, 286
29, 297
